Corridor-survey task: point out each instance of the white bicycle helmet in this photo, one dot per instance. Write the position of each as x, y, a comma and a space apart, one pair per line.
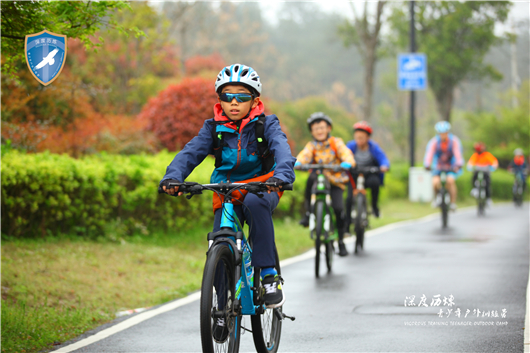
442, 127
238, 73
518, 152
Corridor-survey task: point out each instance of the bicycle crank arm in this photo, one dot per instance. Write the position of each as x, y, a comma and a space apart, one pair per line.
282, 316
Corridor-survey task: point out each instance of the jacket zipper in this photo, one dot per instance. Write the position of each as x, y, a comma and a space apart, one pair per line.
238, 157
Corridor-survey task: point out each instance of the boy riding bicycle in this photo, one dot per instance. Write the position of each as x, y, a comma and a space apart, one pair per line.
326, 149
482, 158
244, 151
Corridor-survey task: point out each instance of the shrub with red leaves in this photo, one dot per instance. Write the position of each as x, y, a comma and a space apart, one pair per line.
177, 114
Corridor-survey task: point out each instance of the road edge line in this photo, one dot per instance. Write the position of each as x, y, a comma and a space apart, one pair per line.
136, 319
527, 318
129, 323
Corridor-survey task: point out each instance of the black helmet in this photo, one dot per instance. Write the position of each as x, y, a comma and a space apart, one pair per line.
318, 116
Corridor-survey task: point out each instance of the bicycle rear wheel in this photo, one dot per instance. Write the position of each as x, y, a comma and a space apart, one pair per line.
267, 327
217, 302
319, 213
360, 204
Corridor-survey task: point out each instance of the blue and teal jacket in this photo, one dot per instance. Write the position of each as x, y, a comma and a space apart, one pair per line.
240, 153
376, 152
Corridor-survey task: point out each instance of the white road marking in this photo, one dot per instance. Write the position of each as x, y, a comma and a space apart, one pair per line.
146, 315
527, 318
196, 296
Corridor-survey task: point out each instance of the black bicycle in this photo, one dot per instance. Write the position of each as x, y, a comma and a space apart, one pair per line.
359, 211
321, 224
231, 287
480, 186
443, 199
518, 189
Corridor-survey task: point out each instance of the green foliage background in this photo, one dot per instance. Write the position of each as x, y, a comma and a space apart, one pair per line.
115, 196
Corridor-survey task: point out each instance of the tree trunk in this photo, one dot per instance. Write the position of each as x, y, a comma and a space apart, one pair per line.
444, 103
369, 67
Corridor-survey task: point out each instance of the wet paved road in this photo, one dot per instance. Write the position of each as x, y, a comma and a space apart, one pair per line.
359, 307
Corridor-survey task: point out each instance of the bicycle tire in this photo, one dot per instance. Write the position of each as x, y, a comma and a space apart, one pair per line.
329, 255
319, 213
267, 319
219, 262
481, 202
517, 196
360, 204
445, 210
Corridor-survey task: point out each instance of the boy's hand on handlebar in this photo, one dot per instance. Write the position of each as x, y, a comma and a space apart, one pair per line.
384, 169
168, 190
345, 165
278, 182
297, 165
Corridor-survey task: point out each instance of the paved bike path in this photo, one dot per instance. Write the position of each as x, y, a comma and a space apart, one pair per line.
482, 262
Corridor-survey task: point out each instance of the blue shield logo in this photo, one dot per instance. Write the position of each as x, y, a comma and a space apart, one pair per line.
45, 54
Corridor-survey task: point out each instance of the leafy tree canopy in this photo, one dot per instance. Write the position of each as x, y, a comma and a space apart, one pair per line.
75, 19
455, 35
505, 129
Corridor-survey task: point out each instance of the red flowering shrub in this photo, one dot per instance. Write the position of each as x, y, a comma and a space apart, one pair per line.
178, 112
195, 65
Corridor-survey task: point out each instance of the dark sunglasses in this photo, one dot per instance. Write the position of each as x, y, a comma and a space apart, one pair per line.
240, 97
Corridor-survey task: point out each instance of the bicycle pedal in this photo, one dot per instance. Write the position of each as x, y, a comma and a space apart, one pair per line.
292, 318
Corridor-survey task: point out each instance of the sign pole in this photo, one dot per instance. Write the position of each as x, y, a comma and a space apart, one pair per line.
412, 92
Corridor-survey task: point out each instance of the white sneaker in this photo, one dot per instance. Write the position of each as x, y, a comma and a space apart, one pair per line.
453, 206
437, 201
474, 192
489, 203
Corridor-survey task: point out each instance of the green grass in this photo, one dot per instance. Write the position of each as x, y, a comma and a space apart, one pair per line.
56, 288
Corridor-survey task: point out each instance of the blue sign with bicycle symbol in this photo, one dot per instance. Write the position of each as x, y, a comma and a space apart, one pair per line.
412, 72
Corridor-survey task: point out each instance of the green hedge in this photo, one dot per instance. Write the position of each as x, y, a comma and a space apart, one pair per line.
49, 193
114, 195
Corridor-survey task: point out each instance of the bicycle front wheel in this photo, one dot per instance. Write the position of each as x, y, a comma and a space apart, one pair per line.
329, 254
220, 327
319, 213
444, 207
360, 204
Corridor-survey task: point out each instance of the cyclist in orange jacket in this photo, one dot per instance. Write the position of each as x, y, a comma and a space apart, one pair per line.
482, 158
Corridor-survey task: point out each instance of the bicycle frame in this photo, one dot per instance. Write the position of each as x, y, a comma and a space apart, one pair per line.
320, 191
232, 233
443, 190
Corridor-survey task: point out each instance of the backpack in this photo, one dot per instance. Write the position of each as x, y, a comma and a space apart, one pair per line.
264, 153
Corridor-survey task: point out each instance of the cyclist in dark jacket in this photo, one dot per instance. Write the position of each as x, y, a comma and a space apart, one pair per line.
239, 108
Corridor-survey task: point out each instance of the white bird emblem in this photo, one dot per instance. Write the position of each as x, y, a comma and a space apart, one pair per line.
48, 59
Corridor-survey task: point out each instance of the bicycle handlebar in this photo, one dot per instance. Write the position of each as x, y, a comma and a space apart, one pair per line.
224, 188
482, 169
334, 167
366, 170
